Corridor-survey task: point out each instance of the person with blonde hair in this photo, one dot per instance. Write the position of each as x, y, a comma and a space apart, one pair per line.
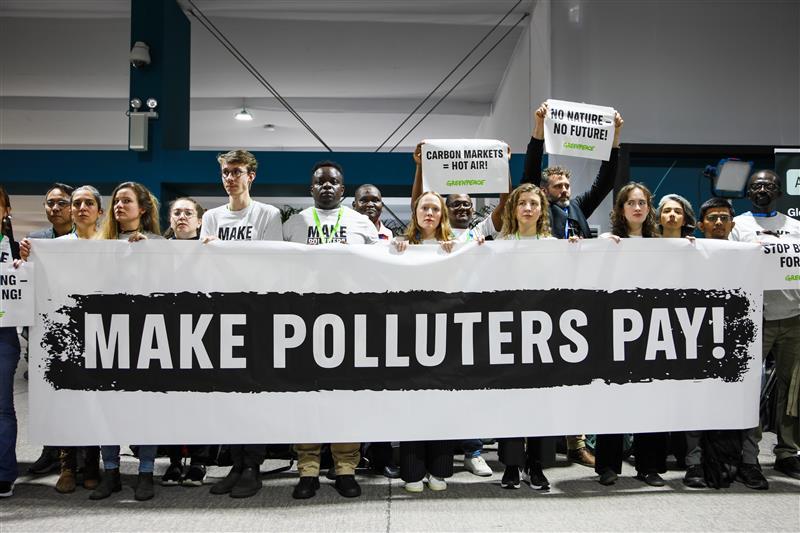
133, 216
526, 214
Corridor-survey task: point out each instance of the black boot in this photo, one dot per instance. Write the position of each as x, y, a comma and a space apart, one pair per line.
109, 483
227, 483
249, 484
144, 487
47, 461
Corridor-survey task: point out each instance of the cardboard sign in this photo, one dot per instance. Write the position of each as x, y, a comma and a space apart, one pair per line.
465, 166
16, 295
579, 130
781, 268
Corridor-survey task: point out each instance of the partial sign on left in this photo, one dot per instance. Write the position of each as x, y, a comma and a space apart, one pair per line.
16, 295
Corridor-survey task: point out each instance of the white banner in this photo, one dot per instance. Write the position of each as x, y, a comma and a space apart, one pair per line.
465, 166
781, 265
580, 130
162, 342
17, 298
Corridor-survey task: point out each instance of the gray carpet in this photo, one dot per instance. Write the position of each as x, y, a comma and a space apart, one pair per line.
576, 502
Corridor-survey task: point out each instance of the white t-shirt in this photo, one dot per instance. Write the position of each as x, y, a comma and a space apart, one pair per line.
384, 233
485, 227
778, 304
256, 222
5, 250
353, 227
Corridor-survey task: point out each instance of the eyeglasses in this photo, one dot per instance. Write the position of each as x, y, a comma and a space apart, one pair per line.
721, 218
766, 185
189, 213
462, 204
60, 203
234, 172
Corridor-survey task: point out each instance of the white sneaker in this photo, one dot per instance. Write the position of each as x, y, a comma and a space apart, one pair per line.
436, 483
413, 486
477, 466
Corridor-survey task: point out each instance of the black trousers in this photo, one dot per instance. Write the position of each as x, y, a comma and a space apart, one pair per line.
380, 454
198, 453
650, 450
514, 452
420, 457
248, 455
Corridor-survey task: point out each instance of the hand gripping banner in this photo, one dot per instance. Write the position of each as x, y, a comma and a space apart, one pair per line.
179, 342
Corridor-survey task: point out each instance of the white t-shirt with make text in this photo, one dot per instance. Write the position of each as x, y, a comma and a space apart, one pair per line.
353, 228
256, 222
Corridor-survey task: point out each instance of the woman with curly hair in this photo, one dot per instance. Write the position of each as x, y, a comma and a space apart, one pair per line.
633, 216
526, 214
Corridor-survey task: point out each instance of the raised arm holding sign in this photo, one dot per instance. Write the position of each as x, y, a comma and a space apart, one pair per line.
459, 205
568, 215
577, 129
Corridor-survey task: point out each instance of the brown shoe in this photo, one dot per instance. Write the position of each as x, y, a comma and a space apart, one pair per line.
581, 456
66, 481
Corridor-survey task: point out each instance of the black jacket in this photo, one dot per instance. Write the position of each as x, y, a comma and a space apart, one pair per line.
580, 207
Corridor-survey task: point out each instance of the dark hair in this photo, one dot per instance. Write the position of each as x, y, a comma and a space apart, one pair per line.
619, 225
63, 187
319, 164
4, 196
362, 187
716, 203
549, 172
170, 233
447, 200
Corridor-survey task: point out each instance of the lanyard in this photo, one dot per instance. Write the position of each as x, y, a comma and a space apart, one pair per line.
516, 236
326, 240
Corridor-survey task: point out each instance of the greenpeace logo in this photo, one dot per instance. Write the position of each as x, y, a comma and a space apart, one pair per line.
793, 277
465, 183
576, 146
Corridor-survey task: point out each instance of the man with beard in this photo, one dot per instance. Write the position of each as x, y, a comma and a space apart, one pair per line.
369, 202
781, 328
568, 215
328, 221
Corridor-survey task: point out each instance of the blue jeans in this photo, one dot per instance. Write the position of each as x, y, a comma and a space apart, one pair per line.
147, 458
472, 448
9, 357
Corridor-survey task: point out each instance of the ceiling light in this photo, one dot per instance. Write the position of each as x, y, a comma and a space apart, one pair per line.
243, 115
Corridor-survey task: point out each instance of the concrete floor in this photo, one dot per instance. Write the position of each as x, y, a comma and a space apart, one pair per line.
575, 502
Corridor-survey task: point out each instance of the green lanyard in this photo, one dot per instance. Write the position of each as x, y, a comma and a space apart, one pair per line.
516, 236
326, 240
